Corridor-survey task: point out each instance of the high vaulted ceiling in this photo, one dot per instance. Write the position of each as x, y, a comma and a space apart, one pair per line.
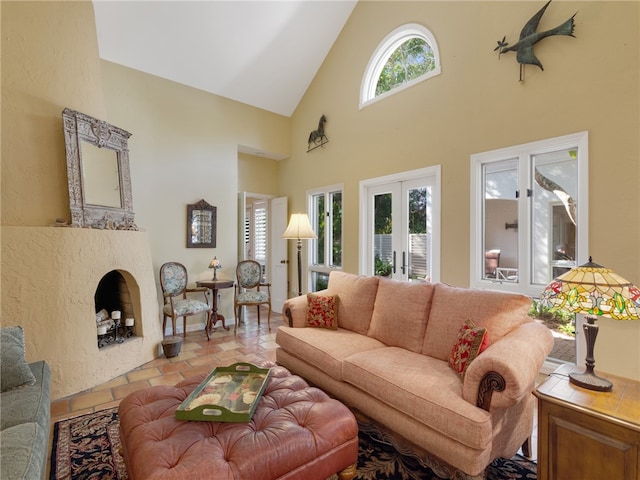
263, 53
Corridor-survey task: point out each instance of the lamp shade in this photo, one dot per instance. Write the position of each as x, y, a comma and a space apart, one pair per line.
215, 263
299, 227
592, 289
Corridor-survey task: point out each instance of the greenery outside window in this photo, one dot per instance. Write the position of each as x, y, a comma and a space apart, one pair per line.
406, 56
325, 207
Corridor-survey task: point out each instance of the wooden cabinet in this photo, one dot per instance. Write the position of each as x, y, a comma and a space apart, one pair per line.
588, 435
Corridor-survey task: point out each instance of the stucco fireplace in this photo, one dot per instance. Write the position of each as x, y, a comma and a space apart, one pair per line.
58, 270
115, 316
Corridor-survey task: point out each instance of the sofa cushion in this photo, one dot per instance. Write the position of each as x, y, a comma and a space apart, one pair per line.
424, 388
24, 452
30, 403
471, 342
14, 371
498, 312
357, 296
322, 311
323, 348
401, 312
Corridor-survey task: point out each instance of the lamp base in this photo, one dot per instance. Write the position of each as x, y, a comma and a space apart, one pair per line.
590, 381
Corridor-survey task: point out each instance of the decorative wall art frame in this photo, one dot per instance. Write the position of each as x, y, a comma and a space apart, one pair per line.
201, 225
97, 172
317, 138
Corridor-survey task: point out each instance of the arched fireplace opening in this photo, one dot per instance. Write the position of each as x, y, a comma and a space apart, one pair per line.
115, 315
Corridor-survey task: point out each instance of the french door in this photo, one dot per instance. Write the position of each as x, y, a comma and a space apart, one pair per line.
402, 226
261, 221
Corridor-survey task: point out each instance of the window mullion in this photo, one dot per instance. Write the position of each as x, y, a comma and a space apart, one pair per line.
328, 237
525, 229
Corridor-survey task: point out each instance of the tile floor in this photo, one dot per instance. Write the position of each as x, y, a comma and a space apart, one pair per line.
197, 355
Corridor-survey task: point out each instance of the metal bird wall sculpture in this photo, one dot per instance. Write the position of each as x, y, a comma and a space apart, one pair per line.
529, 36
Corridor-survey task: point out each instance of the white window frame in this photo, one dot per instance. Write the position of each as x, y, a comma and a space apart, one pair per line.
382, 53
260, 232
524, 153
326, 267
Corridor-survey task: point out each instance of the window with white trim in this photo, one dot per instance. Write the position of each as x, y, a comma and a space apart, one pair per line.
406, 56
325, 207
260, 233
529, 213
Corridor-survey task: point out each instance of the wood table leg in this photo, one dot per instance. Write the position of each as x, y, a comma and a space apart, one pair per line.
214, 316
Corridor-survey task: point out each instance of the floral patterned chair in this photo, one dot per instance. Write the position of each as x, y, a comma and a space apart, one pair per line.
173, 280
249, 275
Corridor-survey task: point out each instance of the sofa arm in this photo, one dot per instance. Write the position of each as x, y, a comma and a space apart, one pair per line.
295, 309
506, 371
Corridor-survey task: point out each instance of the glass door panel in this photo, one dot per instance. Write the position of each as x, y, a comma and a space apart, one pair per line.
418, 199
320, 214
554, 214
500, 212
384, 256
335, 260
402, 229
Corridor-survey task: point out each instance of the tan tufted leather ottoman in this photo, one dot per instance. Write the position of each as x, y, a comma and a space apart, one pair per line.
297, 432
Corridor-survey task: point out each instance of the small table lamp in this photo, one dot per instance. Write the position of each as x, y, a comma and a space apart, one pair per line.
592, 289
299, 228
215, 264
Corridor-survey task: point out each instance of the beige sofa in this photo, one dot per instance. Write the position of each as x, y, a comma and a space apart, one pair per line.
388, 358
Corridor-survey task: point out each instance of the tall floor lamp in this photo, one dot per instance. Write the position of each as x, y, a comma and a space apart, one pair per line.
299, 228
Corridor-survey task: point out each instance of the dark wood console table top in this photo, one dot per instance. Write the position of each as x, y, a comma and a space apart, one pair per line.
214, 286
588, 434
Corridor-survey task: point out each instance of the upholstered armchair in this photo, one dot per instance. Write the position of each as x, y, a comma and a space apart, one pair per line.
250, 290
173, 280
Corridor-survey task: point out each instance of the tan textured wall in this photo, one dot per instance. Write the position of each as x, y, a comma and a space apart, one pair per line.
45, 68
49, 275
257, 174
49, 58
52, 297
184, 148
477, 104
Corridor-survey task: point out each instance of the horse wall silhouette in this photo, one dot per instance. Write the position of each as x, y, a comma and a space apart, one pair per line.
317, 138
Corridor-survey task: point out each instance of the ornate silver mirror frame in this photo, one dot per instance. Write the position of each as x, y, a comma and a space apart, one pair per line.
97, 172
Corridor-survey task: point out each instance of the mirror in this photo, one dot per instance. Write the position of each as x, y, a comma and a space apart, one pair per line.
100, 171
97, 172
201, 225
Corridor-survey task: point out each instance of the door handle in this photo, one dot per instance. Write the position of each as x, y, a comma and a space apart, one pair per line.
284, 262
404, 262
394, 261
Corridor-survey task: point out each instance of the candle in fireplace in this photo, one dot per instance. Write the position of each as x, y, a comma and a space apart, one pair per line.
129, 322
115, 315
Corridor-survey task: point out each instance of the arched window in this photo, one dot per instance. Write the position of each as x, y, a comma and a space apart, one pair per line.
406, 56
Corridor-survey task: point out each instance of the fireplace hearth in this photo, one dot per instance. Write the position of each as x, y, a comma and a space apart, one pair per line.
115, 316
59, 269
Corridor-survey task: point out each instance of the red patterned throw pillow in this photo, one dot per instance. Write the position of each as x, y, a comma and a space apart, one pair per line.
322, 311
471, 342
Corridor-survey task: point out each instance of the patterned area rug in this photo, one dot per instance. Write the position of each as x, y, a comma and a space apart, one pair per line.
86, 447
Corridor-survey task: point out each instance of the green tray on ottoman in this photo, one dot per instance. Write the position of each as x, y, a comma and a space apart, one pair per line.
228, 394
